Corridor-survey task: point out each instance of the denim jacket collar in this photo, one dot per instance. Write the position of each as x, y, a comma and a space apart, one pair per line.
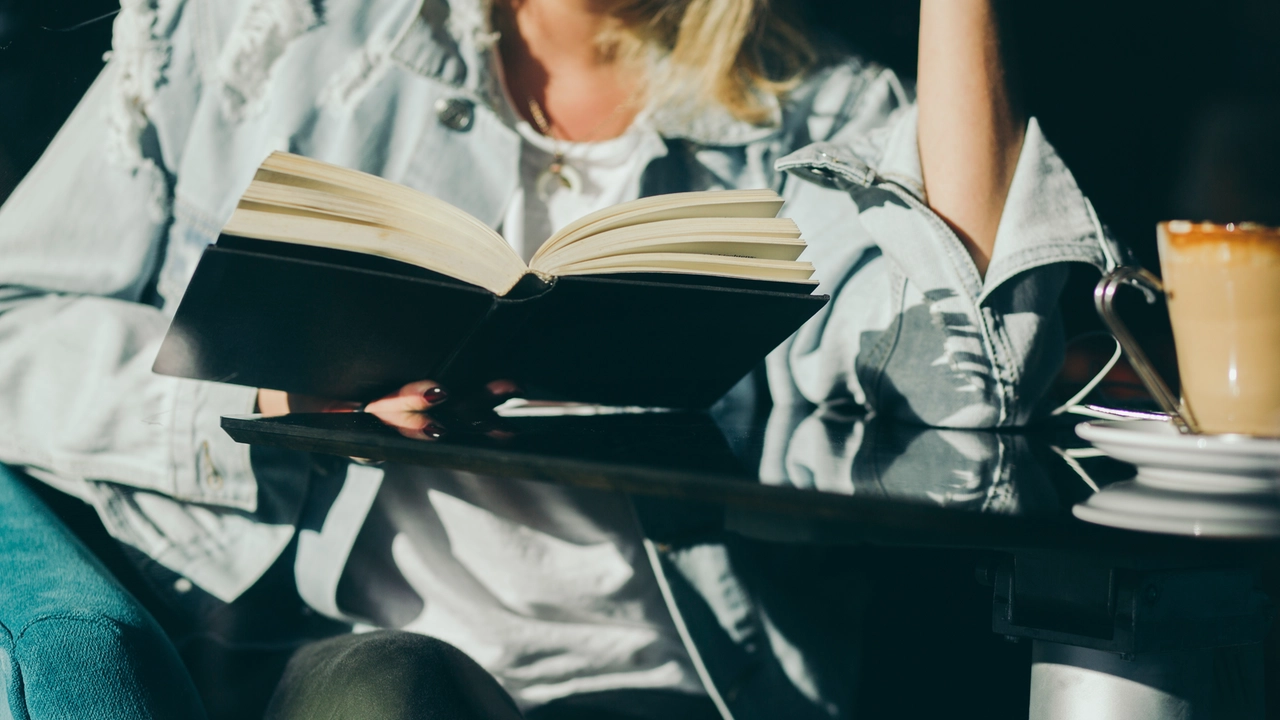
468, 61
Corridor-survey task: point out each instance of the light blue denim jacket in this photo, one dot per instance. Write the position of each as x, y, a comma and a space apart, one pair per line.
98, 242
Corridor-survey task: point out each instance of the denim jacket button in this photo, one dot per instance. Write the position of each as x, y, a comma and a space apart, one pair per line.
456, 113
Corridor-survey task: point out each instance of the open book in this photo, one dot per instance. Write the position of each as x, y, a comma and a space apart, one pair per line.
336, 283
734, 234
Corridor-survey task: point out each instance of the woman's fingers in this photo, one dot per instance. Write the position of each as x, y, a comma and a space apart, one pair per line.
415, 397
503, 389
414, 425
408, 409
405, 410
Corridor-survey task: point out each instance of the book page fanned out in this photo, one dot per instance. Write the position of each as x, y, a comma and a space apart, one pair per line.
725, 233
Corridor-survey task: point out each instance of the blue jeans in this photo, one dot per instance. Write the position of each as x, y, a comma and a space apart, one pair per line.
73, 643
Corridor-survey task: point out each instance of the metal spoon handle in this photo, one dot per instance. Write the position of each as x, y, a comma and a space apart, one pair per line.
1104, 299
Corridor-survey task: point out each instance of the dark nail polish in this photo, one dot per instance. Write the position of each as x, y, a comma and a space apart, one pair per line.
435, 395
433, 431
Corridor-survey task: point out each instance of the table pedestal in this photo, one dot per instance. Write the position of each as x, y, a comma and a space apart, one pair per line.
1115, 641
1075, 683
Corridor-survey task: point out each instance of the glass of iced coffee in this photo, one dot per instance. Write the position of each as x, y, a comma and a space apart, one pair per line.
1222, 285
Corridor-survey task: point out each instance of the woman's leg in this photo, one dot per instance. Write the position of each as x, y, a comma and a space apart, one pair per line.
73, 643
387, 675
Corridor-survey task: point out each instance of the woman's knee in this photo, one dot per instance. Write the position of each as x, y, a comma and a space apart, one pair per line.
387, 674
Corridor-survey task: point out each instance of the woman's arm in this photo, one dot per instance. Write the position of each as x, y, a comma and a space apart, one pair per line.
78, 245
913, 330
971, 127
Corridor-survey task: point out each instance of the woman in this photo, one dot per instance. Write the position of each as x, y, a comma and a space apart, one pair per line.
942, 232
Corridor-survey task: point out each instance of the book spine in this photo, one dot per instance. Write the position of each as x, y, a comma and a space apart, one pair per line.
485, 354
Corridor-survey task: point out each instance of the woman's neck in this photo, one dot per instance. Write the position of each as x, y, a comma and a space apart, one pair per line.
551, 56
560, 31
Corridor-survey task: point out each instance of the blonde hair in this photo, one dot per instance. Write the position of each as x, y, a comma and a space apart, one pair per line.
735, 53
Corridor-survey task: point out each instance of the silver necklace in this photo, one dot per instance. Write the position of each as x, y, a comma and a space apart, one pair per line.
560, 175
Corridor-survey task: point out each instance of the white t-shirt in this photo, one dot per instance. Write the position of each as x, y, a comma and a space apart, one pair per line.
610, 172
548, 588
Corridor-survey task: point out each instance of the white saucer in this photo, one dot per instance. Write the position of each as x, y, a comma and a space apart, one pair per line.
1210, 485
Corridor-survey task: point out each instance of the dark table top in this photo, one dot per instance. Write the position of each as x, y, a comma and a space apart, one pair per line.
794, 474
887, 553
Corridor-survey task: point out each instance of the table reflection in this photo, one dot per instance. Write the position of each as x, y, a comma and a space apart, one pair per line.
822, 628
975, 471
811, 465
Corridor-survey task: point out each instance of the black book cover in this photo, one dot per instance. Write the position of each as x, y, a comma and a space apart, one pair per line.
351, 326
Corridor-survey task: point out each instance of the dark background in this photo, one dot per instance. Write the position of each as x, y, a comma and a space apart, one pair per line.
1162, 109
44, 69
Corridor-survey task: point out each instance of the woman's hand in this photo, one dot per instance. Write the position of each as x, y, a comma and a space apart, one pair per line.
407, 409
971, 127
